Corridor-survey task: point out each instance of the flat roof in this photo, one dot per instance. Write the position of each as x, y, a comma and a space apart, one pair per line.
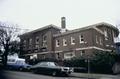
41, 29
88, 27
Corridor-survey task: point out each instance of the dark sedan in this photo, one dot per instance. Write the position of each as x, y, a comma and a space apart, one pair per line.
51, 68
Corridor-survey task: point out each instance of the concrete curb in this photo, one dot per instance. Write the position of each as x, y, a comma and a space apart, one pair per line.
94, 76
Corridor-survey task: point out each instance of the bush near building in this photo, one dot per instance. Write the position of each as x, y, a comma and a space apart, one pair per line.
102, 62
79, 64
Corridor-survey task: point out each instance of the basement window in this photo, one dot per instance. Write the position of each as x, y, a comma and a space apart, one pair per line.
82, 52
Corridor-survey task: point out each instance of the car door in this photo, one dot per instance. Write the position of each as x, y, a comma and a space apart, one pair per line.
43, 67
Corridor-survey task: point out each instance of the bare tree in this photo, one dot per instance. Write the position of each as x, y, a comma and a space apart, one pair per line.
8, 34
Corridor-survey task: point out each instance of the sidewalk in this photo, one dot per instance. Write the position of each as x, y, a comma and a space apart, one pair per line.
95, 76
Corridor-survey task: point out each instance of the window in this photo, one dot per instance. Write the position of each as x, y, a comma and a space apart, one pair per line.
106, 35
37, 40
100, 41
44, 38
96, 39
64, 42
72, 41
113, 34
30, 43
36, 48
57, 55
37, 44
82, 52
24, 43
43, 56
44, 42
35, 56
81, 39
69, 55
57, 43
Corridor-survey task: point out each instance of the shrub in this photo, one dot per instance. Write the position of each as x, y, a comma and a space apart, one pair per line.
102, 62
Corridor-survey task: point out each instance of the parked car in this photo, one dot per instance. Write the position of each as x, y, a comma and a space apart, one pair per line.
17, 64
51, 68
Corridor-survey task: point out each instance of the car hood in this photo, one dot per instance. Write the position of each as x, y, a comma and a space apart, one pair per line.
57, 67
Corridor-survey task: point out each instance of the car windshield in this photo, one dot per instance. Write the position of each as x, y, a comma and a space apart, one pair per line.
52, 64
20, 62
47, 64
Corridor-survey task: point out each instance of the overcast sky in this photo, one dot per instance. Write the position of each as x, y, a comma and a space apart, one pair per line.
32, 14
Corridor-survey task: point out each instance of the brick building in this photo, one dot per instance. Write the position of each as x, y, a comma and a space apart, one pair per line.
59, 43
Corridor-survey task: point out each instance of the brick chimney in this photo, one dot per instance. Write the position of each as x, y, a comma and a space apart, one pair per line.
63, 24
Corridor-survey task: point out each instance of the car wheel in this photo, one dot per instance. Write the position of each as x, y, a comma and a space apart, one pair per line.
66, 74
20, 68
34, 71
54, 73
10, 68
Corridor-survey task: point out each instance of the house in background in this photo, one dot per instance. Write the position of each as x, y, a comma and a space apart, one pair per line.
59, 43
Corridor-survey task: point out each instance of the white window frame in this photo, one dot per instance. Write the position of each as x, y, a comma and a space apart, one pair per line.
57, 43
30, 41
64, 42
82, 53
37, 46
68, 55
24, 43
106, 34
113, 34
80, 38
44, 41
37, 42
101, 41
72, 39
35, 56
97, 39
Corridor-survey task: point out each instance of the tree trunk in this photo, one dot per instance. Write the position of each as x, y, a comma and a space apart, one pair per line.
5, 55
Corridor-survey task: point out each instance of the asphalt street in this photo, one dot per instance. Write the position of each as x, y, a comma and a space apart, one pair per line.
29, 75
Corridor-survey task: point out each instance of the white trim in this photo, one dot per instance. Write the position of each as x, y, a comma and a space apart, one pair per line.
107, 45
112, 46
93, 47
58, 51
85, 48
100, 31
38, 53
